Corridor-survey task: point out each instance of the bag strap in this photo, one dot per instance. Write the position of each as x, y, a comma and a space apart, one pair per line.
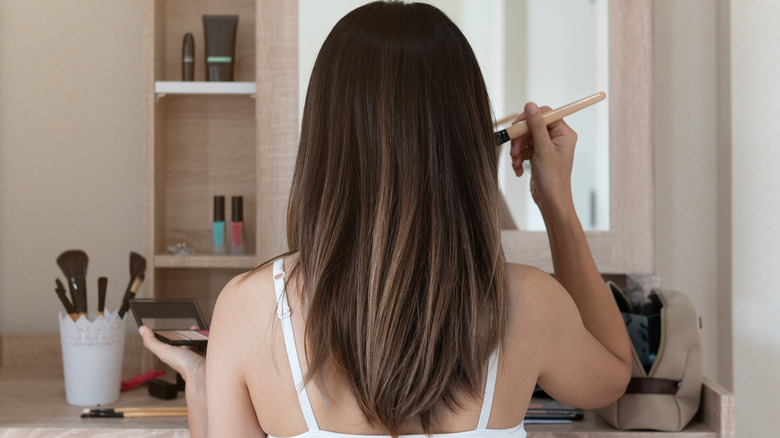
650, 385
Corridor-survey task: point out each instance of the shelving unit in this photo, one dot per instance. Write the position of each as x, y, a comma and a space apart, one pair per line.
215, 88
216, 138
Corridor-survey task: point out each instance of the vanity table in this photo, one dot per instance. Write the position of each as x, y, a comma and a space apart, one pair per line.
32, 402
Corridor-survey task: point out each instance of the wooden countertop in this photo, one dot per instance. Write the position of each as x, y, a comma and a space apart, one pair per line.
32, 402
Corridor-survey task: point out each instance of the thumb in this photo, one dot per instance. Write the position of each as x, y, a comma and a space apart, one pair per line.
536, 125
161, 350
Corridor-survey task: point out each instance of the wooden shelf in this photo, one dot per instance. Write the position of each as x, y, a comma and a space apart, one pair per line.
205, 261
217, 88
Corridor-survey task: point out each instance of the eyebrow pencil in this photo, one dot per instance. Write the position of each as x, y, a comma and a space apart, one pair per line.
521, 129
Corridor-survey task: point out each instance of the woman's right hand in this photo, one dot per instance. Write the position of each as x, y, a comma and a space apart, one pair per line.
550, 150
192, 367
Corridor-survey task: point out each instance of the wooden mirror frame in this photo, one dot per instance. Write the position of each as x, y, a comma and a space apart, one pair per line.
628, 245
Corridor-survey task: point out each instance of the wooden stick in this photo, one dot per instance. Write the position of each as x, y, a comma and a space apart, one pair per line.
143, 414
521, 129
153, 409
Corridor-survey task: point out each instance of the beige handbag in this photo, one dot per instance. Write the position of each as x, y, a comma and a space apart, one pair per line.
667, 396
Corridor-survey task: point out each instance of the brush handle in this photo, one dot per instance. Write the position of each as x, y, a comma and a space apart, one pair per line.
135, 414
102, 286
521, 129
79, 298
133, 287
60, 290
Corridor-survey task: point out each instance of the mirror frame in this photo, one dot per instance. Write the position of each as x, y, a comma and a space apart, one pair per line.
628, 245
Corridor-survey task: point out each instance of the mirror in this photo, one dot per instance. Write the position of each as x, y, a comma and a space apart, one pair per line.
549, 51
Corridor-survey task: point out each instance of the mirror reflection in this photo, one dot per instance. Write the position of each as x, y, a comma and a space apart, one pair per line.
550, 51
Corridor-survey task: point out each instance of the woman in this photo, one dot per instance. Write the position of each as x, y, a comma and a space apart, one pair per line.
395, 305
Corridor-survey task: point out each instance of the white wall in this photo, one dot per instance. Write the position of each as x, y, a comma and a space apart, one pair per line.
71, 156
717, 155
755, 110
686, 196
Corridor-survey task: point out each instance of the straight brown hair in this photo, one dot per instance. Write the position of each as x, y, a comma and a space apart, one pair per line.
394, 212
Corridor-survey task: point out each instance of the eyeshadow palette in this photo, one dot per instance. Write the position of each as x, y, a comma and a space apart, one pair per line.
174, 321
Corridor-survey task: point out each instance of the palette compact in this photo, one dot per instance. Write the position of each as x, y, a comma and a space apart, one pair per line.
175, 321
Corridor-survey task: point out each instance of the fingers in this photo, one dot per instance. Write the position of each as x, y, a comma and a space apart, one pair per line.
523, 148
161, 350
536, 125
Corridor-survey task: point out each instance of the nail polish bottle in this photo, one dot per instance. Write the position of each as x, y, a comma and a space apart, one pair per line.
218, 227
188, 58
237, 226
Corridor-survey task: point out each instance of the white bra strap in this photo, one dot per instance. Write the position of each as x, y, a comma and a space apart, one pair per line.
490, 386
283, 312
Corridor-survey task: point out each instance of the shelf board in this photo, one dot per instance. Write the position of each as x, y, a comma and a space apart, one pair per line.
205, 261
218, 88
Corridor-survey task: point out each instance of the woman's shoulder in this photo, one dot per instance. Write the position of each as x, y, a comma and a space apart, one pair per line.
530, 282
248, 298
535, 301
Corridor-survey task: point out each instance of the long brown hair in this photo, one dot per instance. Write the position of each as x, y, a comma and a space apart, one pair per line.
394, 213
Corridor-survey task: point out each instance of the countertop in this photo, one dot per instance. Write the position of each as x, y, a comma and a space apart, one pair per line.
32, 402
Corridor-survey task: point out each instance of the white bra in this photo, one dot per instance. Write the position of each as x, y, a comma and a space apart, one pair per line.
283, 312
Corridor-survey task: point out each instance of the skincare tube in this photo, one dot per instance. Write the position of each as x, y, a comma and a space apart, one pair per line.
218, 227
220, 34
188, 58
237, 227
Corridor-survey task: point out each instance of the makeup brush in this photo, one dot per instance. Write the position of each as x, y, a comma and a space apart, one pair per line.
130, 294
521, 129
135, 412
137, 269
102, 285
73, 264
60, 290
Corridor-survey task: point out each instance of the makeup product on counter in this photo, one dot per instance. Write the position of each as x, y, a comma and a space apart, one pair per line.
218, 226
188, 58
220, 36
172, 320
137, 274
165, 391
237, 226
73, 264
132, 382
102, 285
140, 412
521, 129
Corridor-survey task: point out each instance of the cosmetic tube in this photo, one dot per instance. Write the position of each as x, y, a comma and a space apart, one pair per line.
237, 227
188, 58
220, 34
218, 227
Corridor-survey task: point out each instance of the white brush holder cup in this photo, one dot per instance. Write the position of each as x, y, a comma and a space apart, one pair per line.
92, 353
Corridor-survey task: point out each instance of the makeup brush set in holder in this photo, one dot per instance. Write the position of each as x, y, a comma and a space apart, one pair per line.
92, 344
73, 264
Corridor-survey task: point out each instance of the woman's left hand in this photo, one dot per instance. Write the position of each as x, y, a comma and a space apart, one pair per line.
192, 367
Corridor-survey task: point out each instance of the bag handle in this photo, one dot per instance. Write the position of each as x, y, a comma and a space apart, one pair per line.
651, 385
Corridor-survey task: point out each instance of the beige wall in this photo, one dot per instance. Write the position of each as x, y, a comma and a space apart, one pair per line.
71, 160
717, 185
71, 169
686, 196
755, 110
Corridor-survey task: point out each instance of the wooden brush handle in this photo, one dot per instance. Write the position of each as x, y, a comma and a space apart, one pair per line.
141, 414
521, 129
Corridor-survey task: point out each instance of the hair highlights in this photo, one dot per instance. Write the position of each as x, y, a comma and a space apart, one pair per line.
394, 211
